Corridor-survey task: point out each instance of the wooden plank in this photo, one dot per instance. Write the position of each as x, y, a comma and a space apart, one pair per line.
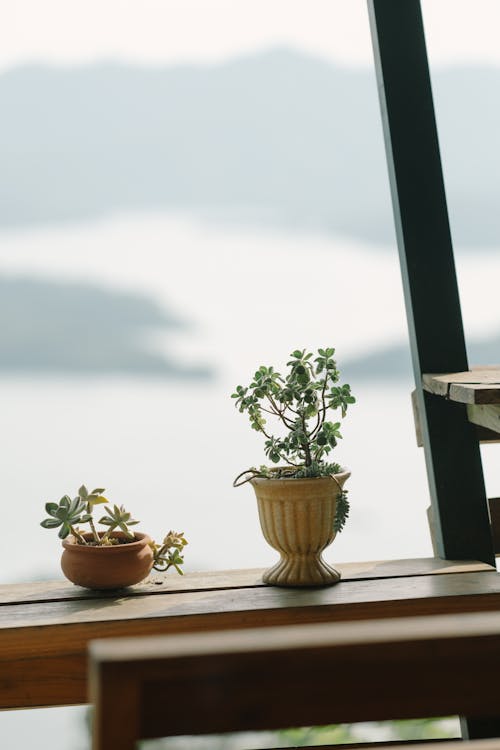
272, 678
158, 583
486, 416
439, 743
416, 419
476, 386
494, 506
193, 604
484, 435
474, 393
43, 646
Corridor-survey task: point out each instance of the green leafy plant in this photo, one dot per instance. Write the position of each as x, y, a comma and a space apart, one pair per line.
299, 402
68, 513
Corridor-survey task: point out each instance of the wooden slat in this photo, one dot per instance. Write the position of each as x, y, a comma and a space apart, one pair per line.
42, 646
485, 415
297, 675
494, 506
439, 743
157, 583
416, 419
475, 386
484, 435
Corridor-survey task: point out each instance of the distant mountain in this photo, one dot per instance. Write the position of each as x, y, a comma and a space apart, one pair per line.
52, 327
394, 362
279, 138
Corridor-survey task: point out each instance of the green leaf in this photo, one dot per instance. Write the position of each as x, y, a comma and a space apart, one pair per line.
83, 492
123, 527
51, 508
51, 523
98, 491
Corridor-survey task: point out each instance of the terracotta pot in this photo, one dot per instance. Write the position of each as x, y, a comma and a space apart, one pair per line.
297, 516
107, 567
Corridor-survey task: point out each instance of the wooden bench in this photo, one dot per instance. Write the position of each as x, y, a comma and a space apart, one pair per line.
270, 678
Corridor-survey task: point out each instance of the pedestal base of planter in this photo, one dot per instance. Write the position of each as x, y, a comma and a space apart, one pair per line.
297, 517
301, 570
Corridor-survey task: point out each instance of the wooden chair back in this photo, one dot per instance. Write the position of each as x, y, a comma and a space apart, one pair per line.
277, 677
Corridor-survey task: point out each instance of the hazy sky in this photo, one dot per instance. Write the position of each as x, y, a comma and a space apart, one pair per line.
171, 31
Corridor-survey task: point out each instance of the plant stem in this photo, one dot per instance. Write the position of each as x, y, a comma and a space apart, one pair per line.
305, 446
280, 413
94, 532
79, 538
321, 410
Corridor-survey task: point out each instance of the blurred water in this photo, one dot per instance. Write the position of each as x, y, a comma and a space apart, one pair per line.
169, 450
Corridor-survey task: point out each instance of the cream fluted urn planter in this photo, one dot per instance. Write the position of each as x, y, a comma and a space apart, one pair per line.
297, 519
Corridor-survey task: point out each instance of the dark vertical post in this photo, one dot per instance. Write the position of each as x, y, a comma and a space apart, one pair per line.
427, 264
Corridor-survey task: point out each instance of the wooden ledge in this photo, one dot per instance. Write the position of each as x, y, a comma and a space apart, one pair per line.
479, 385
45, 627
40, 592
479, 389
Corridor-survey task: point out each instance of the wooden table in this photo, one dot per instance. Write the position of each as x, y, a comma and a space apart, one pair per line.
45, 627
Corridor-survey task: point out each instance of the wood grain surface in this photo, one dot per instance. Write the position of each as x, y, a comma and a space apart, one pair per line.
487, 416
43, 642
476, 386
158, 583
269, 678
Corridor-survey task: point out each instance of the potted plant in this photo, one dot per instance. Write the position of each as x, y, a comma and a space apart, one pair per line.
302, 503
115, 557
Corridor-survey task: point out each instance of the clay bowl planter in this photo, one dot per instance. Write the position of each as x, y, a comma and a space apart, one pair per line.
110, 567
297, 519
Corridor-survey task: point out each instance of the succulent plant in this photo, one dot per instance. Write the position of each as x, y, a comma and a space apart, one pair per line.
65, 514
68, 513
168, 554
118, 518
299, 402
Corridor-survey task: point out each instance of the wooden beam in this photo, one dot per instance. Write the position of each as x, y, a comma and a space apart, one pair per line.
272, 678
429, 278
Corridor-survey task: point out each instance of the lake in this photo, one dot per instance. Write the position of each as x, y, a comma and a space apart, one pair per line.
169, 450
